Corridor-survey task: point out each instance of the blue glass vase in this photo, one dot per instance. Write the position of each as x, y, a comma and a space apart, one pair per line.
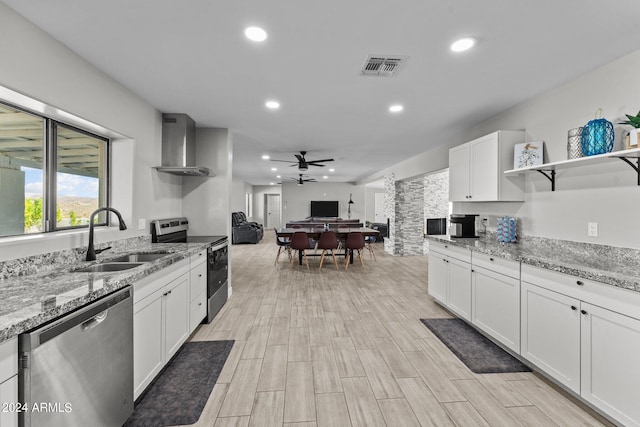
597, 137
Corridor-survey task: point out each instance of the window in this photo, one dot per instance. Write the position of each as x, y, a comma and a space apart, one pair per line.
52, 175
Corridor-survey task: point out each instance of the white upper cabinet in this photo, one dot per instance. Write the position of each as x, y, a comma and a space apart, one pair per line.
476, 169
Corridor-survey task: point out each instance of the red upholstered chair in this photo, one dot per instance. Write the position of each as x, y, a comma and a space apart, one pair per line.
328, 242
299, 242
355, 242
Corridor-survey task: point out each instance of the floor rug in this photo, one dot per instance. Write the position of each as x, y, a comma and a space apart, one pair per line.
178, 395
475, 350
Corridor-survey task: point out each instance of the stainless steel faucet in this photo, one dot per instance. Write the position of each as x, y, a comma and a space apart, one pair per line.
91, 252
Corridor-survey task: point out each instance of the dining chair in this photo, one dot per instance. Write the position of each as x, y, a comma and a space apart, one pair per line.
355, 242
328, 242
284, 243
299, 242
342, 240
368, 244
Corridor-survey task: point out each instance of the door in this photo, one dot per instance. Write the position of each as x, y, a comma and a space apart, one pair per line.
148, 341
438, 276
272, 210
610, 369
551, 333
496, 306
459, 288
459, 174
379, 208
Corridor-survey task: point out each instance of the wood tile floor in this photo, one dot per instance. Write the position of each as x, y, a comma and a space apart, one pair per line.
346, 348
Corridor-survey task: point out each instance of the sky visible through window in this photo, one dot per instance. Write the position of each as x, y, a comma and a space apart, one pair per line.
69, 185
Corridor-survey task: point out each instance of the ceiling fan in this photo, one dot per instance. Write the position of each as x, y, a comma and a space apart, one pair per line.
303, 164
301, 180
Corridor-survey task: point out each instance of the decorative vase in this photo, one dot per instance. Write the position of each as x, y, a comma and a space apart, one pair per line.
597, 136
574, 143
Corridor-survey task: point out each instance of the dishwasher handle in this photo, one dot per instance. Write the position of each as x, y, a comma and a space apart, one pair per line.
94, 321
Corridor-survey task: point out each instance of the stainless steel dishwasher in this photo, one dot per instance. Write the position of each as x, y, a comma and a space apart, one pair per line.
78, 370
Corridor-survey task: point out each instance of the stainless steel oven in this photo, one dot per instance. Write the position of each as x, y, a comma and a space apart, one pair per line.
174, 230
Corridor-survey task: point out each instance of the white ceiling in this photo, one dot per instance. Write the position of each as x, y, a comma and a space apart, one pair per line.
191, 56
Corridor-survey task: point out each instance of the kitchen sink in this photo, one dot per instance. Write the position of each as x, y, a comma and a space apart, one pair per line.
142, 257
108, 267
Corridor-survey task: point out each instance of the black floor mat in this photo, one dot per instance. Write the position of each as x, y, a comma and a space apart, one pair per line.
178, 395
475, 350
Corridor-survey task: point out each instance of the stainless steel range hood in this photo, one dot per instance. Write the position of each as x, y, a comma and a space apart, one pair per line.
179, 146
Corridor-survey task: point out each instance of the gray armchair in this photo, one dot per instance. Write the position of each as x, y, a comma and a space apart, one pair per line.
243, 231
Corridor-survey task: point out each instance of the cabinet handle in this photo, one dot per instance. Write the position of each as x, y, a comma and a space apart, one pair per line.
446, 246
165, 294
199, 303
168, 292
472, 270
579, 282
491, 259
574, 308
583, 311
199, 275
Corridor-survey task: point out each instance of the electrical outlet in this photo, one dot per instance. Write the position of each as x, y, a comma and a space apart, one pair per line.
142, 223
592, 229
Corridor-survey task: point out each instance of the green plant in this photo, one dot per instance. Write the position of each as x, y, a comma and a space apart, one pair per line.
633, 120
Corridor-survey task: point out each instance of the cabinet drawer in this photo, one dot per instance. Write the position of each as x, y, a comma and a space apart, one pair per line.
463, 254
499, 265
198, 280
8, 359
198, 311
198, 258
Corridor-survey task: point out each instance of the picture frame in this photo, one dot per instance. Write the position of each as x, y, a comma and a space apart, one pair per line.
528, 154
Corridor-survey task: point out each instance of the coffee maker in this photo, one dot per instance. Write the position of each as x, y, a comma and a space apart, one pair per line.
463, 225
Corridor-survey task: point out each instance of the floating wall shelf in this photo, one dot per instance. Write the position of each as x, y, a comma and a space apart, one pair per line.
549, 169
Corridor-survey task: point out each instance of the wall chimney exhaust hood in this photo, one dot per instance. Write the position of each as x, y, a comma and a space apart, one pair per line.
179, 146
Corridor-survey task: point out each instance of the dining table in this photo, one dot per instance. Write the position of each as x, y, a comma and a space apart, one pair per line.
315, 232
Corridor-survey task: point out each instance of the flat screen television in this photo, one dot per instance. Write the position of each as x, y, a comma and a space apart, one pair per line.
324, 208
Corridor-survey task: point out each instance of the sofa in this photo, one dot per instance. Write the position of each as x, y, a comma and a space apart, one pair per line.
382, 228
243, 231
318, 221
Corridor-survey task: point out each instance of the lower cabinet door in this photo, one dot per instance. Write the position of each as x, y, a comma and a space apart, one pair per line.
9, 397
438, 276
197, 312
610, 368
148, 341
460, 288
176, 319
551, 333
496, 306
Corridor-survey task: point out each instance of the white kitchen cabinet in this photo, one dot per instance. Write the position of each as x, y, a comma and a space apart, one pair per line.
197, 290
476, 169
8, 382
496, 301
450, 277
160, 321
9, 396
551, 333
610, 369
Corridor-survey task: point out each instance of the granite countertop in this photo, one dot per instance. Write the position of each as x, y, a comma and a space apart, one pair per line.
606, 264
31, 300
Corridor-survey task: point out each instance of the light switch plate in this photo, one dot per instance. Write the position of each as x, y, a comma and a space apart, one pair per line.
592, 229
142, 223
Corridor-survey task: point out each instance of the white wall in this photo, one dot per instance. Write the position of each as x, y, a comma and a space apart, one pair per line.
370, 203
36, 65
239, 190
605, 194
296, 199
207, 201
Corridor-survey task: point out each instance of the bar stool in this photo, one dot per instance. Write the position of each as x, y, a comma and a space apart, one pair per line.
299, 242
328, 242
355, 242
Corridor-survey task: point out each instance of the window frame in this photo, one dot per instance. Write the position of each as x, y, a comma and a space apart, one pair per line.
50, 171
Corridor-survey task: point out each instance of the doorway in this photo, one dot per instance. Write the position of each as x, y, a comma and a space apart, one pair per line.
272, 210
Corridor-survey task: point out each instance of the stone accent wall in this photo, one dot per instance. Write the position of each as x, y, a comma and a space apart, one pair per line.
409, 224
436, 198
390, 211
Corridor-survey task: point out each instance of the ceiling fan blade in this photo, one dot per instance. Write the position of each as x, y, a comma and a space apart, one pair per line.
315, 164
286, 161
318, 161
300, 158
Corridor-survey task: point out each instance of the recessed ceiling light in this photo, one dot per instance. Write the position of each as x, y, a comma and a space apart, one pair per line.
332, 170
272, 183
255, 34
273, 105
463, 44
396, 108
265, 157
274, 169
325, 177
278, 176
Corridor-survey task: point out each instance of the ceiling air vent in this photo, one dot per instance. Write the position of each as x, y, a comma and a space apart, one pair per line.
383, 65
